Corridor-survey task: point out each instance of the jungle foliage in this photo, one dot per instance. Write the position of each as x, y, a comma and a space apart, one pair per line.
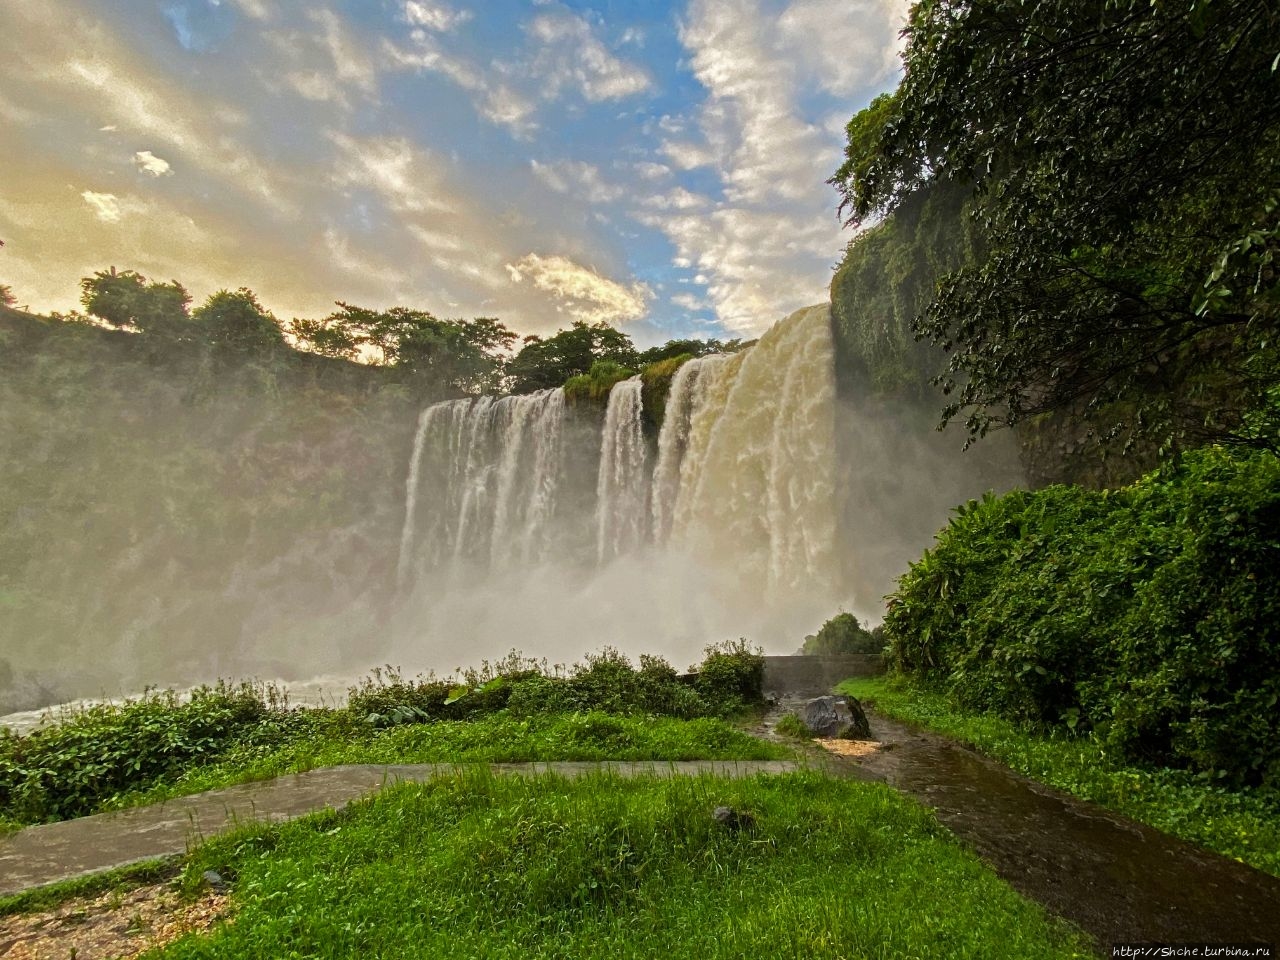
1122, 164
1145, 616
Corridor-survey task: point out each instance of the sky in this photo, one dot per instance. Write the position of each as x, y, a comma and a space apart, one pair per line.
659, 166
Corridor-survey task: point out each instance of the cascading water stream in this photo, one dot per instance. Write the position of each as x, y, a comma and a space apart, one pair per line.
622, 485
483, 481
757, 481
673, 439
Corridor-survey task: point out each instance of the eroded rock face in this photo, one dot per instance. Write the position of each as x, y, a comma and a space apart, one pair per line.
836, 718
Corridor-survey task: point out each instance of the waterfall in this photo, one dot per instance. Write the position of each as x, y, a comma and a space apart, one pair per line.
740, 482
673, 439
622, 485
483, 481
757, 480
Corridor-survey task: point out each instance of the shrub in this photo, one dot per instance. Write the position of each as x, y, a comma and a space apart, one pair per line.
594, 386
731, 675
1145, 615
67, 770
790, 725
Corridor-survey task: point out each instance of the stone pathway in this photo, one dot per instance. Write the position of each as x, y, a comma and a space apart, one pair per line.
53, 852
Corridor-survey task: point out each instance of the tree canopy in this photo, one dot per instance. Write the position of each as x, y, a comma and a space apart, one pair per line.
237, 321
546, 363
465, 356
1122, 159
128, 300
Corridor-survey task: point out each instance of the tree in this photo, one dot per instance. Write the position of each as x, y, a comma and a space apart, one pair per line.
434, 355
129, 301
238, 322
7, 299
842, 634
1123, 162
680, 348
544, 364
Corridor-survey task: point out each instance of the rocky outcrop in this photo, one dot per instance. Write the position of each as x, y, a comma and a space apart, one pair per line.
839, 718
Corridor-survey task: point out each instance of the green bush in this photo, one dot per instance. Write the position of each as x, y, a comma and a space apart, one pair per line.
69, 769
732, 674
1146, 615
842, 634
655, 379
594, 386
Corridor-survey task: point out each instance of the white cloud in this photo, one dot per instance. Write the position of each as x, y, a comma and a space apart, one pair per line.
494, 99
844, 46
687, 301
677, 199
255, 9
148, 162
105, 206
434, 16
687, 156
579, 179
407, 177
328, 64
768, 245
581, 292
572, 55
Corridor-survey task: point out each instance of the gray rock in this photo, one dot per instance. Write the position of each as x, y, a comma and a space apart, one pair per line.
732, 819
836, 718
215, 881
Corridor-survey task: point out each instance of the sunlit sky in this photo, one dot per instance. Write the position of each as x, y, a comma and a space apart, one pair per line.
657, 165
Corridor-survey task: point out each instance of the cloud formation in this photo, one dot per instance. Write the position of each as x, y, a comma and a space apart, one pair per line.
667, 164
148, 162
581, 292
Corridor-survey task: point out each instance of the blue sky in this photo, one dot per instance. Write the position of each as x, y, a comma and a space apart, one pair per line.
656, 165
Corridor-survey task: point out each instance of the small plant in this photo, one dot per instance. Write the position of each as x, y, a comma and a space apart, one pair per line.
790, 725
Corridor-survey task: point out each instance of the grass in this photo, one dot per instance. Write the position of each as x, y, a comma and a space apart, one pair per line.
601, 867
329, 739
1242, 825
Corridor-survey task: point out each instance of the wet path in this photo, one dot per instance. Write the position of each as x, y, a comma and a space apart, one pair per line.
52, 852
1118, 880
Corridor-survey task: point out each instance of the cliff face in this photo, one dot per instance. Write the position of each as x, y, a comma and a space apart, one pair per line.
172, 515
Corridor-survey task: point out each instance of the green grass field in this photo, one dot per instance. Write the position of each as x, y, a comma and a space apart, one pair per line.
479, 866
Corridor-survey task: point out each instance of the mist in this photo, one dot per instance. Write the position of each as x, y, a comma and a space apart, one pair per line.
167, 526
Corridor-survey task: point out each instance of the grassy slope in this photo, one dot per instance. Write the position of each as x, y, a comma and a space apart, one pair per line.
601, 867
1244, 826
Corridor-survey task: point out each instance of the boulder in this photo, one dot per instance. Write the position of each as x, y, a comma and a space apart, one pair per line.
836, 718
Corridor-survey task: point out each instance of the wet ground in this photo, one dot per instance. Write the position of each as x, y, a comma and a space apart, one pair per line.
1119, 880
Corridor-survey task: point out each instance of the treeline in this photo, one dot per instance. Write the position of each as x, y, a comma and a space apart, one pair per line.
430, 356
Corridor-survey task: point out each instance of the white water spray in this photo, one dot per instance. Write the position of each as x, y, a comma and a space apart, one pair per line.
622, 485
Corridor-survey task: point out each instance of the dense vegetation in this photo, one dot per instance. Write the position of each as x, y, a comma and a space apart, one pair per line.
1121, 164
602, 867
1243, 825
1144, 617
158, 746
